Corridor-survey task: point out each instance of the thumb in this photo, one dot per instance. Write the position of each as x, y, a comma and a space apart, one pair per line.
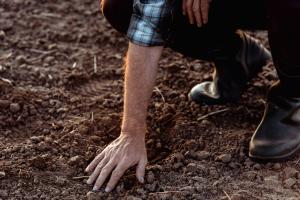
140, 170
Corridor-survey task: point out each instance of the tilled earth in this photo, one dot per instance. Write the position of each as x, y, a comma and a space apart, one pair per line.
61, 85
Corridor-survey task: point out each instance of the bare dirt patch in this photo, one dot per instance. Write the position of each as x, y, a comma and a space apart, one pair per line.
57, 110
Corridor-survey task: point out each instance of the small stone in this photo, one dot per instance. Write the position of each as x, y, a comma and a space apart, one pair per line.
94, 196
35, 139
150, 177
225, 158
49, 59
21, 59
191, 167
182, 97
74, 160
2, 175
2, 35
289, 172
14, 107
42, 146
201, 155
60, 181
288, 183
177, 165
277, 166
257, 166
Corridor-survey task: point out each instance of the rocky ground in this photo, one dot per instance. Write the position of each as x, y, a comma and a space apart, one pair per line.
61, 100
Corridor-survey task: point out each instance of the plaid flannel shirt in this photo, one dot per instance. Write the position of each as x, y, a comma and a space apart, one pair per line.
150, 22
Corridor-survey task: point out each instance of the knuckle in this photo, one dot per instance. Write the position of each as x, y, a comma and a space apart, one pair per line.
104, 169
196, 8
116, 174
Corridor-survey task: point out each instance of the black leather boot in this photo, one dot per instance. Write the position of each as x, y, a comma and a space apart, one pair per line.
278, 135
231, 75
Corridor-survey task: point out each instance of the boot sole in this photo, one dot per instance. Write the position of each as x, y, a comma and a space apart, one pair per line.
281, 158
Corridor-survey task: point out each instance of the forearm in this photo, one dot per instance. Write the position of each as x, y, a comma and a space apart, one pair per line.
140, 75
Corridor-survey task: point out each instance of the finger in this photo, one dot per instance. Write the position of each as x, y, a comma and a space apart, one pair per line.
196, 12
189, 5
140, 170
95, 162
104, 174
115, 177
184, 7
97, 171
204, 10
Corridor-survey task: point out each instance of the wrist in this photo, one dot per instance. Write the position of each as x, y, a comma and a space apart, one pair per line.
133, 128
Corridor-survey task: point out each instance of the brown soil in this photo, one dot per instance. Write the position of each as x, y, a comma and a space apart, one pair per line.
57, 111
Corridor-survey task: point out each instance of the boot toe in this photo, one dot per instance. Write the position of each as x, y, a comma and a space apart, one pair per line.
272, 150
205, 93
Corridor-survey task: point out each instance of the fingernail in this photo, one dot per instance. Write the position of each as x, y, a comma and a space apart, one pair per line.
88, 182
95, 188
86, 169
107, 189
141, 179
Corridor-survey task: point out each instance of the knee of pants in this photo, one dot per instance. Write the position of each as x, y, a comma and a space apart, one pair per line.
118, 13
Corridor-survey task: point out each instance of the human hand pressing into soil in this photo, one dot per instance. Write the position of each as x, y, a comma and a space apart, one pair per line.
129, 148
196, 10
123, 153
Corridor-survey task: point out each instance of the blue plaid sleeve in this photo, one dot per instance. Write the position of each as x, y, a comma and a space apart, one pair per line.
148, 22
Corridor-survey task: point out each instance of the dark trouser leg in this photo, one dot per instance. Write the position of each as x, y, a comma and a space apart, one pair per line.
237, 57
118, 13
284, 36
225, 18
278, 135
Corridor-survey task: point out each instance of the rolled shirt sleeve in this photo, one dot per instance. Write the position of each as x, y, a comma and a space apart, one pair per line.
150, 22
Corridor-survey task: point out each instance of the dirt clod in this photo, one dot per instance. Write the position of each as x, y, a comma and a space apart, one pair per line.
290, 172
225, 158
2, 35
75, 160
288, 183
14, 107
202, 155
150, 177
2, 174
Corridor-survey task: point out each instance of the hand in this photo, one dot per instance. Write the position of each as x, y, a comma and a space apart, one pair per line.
123, 153
197, 11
